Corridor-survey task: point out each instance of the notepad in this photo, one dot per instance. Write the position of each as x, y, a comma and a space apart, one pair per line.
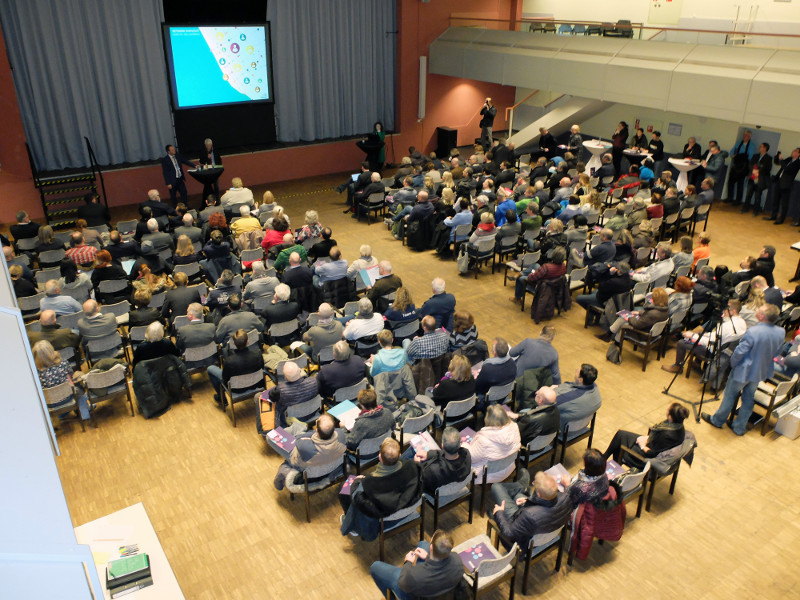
627, 314
346, 413
472, 557
282, 438
557, 472
423, 442
369, 276
613, 469
348, 484
467, 435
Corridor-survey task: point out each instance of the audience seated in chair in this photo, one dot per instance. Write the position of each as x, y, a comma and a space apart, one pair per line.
196, 333
522, 512
55, 301
498, 370
539, 421
365, 323
395, 484
433, 342
373, 421
591, 482
535, 353
429, 570
457, 384
388, 358
94, 323
321, 446
346, 369
439, 467
58, 336
154, 345
241, 361
324, 334
295, 388
282, 309
497, 439
440, 305
661, 436
579, 399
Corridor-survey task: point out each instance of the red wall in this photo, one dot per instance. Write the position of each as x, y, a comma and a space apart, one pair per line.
450, 102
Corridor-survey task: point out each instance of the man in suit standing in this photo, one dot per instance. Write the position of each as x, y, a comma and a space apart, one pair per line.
488, 113
785, 176
741, 155
761, 162
173, 174
210, 157
751, 362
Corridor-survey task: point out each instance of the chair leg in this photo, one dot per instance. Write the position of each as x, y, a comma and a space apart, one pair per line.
308, 507
650, 494
646, 354
381, 553
641, 499
560, 554
672, 483
483, 499
525, 573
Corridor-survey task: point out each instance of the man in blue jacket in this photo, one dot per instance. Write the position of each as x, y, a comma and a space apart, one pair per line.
751, 362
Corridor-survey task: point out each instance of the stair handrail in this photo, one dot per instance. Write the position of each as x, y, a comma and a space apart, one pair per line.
510, 111
96, 167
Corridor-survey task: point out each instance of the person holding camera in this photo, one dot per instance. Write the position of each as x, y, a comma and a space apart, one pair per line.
488, 113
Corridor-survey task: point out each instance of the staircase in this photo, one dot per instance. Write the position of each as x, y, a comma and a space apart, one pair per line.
62, 195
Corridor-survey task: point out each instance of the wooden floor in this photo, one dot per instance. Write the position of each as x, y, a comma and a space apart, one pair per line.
730, 531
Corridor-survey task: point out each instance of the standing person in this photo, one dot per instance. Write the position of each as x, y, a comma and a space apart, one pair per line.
618, 144
758, 180
377, 130
488, 113
751, 362
788, 168
173, 174
210, 157
656, 148
741, 154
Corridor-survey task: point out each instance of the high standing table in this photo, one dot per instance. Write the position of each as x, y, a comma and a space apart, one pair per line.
208, 177
635, 157
126, 527
684, 166
596, 147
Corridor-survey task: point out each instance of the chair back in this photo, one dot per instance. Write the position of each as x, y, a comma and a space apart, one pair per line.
349, 392
308, 242
58, 393
687, 213
451, 489
80, 293
111, 286
458, 408
51, 257
406, 329
580, 424
350, 309
499, 392
540, 442
200, 353
303, 410
323, 470
260, 303
577, 245
157, 300
508, 243
531, 258
126, 227
180, 321
103, 343
246, 381
403, 512
671, 219
483, 248
631, 482
414, 425
251, 255
683, 271
531, 234
42, 276
658, 328
30, 304
283, 329
118, 309
578, 275
494, 566
105, 379
70, 321
27, 244
780, 392
325, 355
462, 232
655, 224
659, 282
640, 288
496, 466
677, 319
371, 447
136, 334
189, 269
544, 539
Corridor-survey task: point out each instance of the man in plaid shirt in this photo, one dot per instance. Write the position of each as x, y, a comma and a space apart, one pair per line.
79, 252
434, 342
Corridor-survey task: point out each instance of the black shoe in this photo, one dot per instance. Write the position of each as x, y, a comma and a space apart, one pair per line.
769, 218
707, 418
778, 222
347, 210
744, 209
606, 337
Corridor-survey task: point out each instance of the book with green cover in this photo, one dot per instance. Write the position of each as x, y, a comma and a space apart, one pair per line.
124, 570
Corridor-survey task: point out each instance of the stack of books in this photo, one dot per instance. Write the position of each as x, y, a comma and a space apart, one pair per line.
127, 575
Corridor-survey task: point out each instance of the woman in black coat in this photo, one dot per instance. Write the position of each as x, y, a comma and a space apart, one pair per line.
618, 143
662, 436
457, 384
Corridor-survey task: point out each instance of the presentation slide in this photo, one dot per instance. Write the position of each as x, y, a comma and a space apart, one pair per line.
214, 65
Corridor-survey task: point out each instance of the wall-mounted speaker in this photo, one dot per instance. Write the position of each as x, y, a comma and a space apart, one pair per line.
423, 84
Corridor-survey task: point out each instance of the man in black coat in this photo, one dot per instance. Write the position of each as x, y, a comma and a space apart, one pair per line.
297, 275
762, 162
498, 370
281, 309
346, 369
157, 207
375, 186
785, 176
24, 228
177, 300
197, 332
242, 361
488, 113
119, 248
322, 249
93, 212
542, 420
617, 281
440, 467
173, 174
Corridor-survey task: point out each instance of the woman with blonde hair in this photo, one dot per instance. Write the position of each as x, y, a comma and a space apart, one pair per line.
184, 252
583, 188
485, 230
277, 212
154, 345
310, 230
447, 183
149, 280
47, 240
267, 203
429, 186
457, 384
402, 310
54, 371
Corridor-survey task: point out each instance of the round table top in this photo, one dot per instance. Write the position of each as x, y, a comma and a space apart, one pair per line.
596, 144
633, 152
685, 162
206, 175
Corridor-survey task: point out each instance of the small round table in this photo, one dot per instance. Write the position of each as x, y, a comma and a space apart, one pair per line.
596, 147
208, 177
635, 157
684, 165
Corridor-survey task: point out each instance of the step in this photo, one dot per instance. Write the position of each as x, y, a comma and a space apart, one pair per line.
68, 211
53, 192
66, 179
71, 200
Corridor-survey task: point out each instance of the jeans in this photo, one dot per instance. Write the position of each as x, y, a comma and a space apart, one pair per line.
486, 138
587, 300
387, 576
215, 378
754, 190
732, 389
406, 210
508, 493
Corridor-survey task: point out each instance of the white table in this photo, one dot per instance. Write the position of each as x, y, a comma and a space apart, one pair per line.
684, 166
635, 156
597, 148
130, 526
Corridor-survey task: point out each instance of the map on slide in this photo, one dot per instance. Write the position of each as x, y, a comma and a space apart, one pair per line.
219, 65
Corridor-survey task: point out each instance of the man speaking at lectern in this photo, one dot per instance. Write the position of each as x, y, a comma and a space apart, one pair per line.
173, 173
210, 158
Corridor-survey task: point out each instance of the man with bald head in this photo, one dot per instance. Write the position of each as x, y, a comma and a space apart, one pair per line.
297, 274
324, 334
544, 419
55, 301
322, 446
289, 247
433, 342
60, 337
94, 323
294, 388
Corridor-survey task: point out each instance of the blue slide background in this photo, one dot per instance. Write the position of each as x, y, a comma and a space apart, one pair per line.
198, 79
